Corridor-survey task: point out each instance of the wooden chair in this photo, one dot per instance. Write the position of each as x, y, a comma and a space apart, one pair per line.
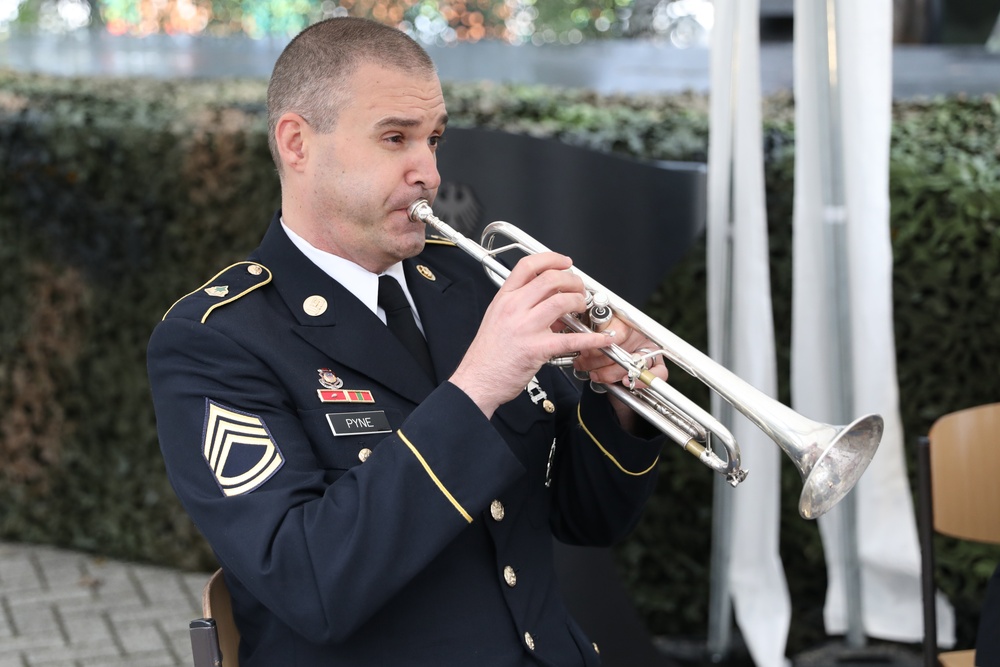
215, 640
959, 464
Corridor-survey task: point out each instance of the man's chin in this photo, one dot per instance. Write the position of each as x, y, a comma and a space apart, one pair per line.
411, 247
418, 246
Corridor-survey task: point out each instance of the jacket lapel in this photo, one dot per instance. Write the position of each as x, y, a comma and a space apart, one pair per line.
346, 331
448, 311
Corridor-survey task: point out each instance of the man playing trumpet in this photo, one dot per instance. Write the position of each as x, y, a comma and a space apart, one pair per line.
378, 497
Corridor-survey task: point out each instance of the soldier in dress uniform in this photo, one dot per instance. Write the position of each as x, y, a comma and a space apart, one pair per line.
375, 499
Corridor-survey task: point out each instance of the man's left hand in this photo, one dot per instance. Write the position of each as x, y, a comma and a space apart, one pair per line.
602, 369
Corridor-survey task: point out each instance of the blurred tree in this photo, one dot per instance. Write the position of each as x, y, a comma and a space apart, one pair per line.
910, 21
53, 16
640, 24
438, 22
969, 21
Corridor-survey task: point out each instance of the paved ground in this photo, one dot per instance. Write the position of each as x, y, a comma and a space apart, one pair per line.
64, 609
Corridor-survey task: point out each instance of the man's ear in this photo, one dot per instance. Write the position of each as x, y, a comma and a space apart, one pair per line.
291, 133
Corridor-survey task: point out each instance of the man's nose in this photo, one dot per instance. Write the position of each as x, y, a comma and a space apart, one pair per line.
423, 171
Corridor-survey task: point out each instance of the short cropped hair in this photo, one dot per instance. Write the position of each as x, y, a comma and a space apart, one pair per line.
311, 75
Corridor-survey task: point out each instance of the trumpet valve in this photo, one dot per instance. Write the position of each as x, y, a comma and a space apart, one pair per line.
600, 312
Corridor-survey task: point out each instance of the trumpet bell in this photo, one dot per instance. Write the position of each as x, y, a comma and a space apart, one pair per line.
830, 472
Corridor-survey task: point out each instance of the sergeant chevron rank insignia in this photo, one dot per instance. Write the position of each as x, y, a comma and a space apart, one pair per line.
239, 449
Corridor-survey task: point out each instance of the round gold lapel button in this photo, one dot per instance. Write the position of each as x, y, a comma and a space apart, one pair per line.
314, 305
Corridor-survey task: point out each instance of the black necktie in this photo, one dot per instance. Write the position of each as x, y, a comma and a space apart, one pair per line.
399, 317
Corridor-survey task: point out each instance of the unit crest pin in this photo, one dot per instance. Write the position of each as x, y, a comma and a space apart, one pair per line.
328, 379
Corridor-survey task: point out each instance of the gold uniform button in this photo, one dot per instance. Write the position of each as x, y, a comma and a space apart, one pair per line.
529, 641
496, 510
549, 406
364, 454
255, 270
425, 272
510, 576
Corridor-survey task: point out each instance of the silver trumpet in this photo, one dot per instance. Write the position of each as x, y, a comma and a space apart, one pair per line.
830, 459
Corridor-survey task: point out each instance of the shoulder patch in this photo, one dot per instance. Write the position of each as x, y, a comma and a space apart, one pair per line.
238, 449
225, 287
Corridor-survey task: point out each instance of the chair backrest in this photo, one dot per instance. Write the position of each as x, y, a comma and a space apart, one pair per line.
959, 462
965, 463
217, 605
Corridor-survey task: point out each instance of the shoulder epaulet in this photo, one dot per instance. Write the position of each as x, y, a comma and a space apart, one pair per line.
227, 286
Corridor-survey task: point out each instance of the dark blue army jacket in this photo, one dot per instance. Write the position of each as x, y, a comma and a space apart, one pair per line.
375, 518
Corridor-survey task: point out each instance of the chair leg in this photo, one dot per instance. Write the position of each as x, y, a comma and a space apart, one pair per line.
925, 512
205, 643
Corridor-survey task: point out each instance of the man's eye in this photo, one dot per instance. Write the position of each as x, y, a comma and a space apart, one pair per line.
436, 141
395, 138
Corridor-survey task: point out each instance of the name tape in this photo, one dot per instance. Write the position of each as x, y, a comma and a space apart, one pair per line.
356, 423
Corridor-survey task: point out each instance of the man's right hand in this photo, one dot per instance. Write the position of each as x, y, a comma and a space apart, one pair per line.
520, 331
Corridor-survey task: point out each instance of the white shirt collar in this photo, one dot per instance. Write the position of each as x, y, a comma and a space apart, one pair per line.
359, 281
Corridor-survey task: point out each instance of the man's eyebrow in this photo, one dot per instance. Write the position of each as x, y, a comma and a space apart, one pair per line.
398, 121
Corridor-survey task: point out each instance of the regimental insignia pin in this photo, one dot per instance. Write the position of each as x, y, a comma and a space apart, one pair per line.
425, 272
217, 290
328, 379
538, 396
345, 396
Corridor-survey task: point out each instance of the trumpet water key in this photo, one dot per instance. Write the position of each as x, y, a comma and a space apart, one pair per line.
830, 459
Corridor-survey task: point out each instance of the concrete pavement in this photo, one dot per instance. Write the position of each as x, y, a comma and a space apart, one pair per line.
66, 609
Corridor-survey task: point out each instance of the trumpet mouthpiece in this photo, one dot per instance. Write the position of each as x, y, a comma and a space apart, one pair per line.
419, 210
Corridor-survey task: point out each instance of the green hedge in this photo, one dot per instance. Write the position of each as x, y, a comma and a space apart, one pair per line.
117, 196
